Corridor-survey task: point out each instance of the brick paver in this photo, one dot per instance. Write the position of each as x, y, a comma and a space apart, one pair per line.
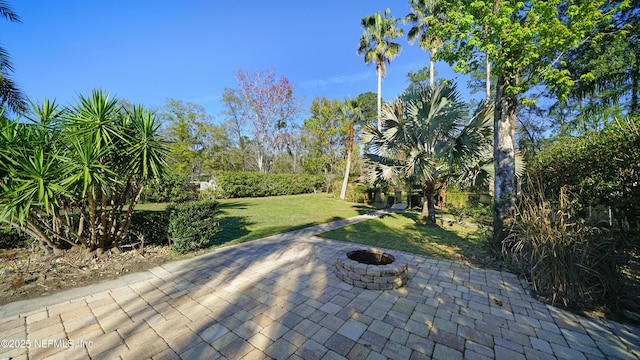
279, 298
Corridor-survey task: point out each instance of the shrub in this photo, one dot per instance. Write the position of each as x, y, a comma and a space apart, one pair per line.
172, 187
456, 198
356, 192
254, 184
564, 258
192, 224
148, 227
602, 167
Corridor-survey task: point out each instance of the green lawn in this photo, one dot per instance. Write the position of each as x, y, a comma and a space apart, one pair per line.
253, 218
399, 231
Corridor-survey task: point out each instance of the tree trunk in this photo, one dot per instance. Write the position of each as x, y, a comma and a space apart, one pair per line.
635, 75
442, 195
432, 65
345, 181
487, 79
379, 100
503, 160
428, 209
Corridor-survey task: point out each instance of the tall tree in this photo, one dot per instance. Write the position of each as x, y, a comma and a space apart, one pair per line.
188, 128
268, 104
608, 70
353, 114
235, 123
426, 17
10, 95
377, 46
326, 133
425, 136
527, 39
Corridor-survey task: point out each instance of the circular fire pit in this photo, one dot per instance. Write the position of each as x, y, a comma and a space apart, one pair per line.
371, 269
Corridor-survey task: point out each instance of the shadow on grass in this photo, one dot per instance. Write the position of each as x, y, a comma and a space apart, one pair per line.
363, 209
235, 229
232, 205
399, 231
231, 228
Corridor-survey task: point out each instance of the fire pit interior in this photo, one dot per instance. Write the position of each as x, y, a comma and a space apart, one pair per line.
371, 269
370, 257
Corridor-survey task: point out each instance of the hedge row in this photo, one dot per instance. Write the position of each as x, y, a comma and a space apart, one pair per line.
253, 184
192, 224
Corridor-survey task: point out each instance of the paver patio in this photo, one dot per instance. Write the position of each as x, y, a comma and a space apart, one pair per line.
279, 298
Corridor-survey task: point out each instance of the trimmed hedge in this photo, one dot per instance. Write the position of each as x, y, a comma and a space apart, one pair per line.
254, 184
192, 224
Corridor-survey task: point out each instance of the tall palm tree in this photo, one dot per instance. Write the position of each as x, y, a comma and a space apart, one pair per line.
10, 95
425, 137
426, 15
376, 44
352, 111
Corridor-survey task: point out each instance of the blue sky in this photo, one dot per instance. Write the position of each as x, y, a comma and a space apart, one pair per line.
148, 51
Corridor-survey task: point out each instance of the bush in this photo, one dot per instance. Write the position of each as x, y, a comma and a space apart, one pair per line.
254, 184
564, 258
148, 227
172, 187
356, 192
192, 224
602, 167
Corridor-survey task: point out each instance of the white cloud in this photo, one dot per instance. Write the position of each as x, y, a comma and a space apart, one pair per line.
338, 79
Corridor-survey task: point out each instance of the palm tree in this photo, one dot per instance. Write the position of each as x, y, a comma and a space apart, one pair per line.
10, 95
376, 44
424, 137
426, 16
353, 113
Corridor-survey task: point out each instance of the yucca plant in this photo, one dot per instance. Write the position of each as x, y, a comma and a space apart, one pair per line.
565, 259
68, 174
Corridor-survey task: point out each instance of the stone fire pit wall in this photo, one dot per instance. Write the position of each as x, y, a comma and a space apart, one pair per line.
373, 277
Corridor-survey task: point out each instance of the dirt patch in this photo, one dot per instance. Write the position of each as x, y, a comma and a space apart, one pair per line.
26, 274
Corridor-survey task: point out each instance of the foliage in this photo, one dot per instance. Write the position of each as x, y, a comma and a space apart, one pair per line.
564, 258
601, 168
192, 224
267, 104
68, 174
234, 127
425, 137
607, 70
10, 94
355, 192
235, 184
426, 15
170, 187
377, 45
352, 111
523, 40
148, 227
188, 130
326, 132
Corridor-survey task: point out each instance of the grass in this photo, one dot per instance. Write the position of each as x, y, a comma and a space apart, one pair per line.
399, 231
253, 218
